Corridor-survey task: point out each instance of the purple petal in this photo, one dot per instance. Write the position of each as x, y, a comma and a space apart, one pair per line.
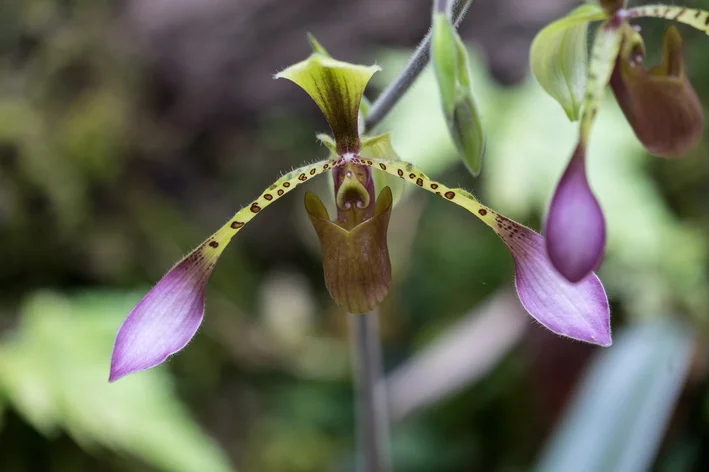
577, 310
165, 320
575, 230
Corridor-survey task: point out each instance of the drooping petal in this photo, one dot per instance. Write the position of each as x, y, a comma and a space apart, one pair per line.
575, 226
165, 320
356, 262
559, 56
579, 310
660, 104
575, 230
698, 19
337, 88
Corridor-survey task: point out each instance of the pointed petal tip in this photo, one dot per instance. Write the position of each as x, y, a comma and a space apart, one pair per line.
576, 310
575, 229
165, 320
115, 373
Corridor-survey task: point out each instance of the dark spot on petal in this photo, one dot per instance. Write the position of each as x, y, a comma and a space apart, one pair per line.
449, 195
681, 12
419, 182
255, 208
312, 171
370, 163
286, 184
268, 197
383, 166
302, 177
280, 192
325, 167
412, 176
401, 173
239, 224
482, 212
438, 193
434, 186
213, 244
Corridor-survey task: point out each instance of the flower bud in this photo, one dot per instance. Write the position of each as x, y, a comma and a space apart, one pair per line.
660, 104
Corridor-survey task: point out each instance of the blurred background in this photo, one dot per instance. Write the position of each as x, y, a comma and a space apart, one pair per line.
130, 130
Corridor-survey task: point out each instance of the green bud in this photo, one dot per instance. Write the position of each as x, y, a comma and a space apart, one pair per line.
468, 135
356, 261
660, 104
444, 55
450, 62
559, 57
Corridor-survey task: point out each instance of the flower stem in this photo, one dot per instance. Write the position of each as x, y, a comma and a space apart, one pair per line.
395, 90
372, 415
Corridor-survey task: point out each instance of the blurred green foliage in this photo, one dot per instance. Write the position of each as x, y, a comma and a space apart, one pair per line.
53, 372
100, 192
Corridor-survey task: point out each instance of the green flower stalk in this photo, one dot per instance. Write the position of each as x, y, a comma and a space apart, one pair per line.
354, 244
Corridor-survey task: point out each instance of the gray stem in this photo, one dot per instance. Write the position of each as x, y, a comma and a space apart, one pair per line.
372, 415
395, 90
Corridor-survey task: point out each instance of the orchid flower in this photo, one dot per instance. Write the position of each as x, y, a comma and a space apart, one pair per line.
354, 245
660, 104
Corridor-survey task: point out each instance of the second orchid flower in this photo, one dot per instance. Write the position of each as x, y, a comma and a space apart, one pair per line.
660, 104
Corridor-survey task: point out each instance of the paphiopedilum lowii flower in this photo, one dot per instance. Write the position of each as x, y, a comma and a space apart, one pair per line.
355, 255
660, 104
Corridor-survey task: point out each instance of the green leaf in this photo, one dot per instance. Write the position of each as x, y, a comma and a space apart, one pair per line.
450, 63
559, 57
54, 372
618, 418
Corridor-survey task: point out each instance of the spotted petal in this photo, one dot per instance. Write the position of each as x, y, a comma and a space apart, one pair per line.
698, 19
579, 311
165, 320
